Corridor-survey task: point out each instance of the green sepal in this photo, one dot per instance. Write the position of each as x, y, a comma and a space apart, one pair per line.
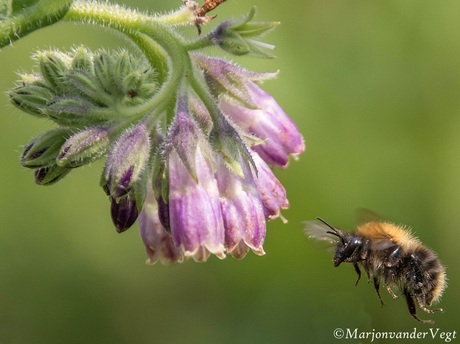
104, 64
87, 85
82, 60
122, 66
234, 44
226, 140
160, 180
222, 139
140, 188
248, 28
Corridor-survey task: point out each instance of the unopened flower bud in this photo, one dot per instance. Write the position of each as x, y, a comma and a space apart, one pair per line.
135, 80
76, 111
50, 174
138, 86
31, 98
82, 60
84, 147
233, 43
236, 36
54, 66
127, 160
43, 149
124, 212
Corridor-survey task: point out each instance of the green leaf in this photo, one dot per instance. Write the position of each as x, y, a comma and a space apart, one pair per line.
21, 17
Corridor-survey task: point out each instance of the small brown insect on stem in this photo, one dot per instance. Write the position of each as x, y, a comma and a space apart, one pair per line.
207, 7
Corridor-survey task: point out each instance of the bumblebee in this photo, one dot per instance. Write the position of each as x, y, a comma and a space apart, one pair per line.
390, 254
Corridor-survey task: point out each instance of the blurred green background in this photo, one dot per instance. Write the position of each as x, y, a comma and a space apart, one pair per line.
374, 87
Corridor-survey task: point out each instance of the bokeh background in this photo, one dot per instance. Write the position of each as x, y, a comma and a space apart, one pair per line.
374, 87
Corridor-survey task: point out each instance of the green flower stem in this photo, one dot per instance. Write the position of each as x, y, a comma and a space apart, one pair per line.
123, 19
223, 136
153, 53
201, 43
183, 16
203, 93
178, 59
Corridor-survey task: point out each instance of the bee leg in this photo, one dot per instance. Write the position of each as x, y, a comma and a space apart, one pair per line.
368, 274
412, 309
358, 271
393, 258
422, 306
391, 292
377, 288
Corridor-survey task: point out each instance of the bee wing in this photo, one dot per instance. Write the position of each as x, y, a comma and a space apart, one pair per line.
364, 215
381, 240
382, 244
319, 231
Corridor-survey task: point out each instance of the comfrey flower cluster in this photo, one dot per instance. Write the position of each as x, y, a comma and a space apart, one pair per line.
188, 139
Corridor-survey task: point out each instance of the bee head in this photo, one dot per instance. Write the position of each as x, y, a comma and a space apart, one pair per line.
346, 246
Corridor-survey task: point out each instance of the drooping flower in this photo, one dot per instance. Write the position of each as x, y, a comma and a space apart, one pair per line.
253, 110
242, 210
271, 192
159, 244
270, 123
193, 199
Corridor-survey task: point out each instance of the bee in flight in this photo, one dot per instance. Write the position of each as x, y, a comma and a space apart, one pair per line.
390, 254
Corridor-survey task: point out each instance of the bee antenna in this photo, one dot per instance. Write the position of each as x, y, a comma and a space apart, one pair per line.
327, 224
334, 230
